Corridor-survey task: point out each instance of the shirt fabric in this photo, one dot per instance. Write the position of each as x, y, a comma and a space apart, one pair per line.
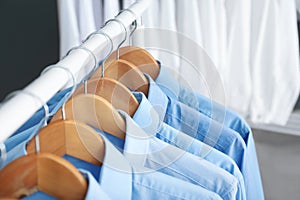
15, 147
223, 115
149, 184
146, 117
132, 181
145, 150
203, 128
196, 124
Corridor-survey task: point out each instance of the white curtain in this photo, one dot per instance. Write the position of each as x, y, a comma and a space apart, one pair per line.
77, 19
254, 46
252, 43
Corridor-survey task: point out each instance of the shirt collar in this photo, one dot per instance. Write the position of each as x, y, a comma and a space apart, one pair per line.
167, 83
146, 116
94, 190
137, 138
157, 98
116, 172
144, 146
135, 148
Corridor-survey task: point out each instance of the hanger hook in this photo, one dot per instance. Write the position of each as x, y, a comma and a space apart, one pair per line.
63, 113
134, 23
46, 111
122, 42
94, 68
101, 32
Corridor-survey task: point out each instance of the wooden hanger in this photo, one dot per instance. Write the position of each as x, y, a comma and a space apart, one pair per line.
138, 56
142, 59
124, 71
70, 137
44, 172
128, 74
114, 92
130, 68
95, 111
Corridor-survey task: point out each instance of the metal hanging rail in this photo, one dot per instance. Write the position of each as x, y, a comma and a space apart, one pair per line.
16, 111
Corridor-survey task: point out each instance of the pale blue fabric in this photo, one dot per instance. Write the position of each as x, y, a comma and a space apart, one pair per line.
233, 122
146, 183
211, 132
145, 150
227, 117
196, 124
146, 117
131, 182
94, 189
173, 89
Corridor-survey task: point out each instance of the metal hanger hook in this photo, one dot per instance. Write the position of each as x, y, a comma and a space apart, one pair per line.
133, 23
63, 113
122, 42
94, 68
101, 32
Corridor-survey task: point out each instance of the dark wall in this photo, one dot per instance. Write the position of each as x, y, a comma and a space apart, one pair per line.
29, 41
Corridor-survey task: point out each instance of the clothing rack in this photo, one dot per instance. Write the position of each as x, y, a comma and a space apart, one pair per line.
17, 110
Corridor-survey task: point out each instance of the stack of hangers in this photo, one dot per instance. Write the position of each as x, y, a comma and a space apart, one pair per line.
130, 131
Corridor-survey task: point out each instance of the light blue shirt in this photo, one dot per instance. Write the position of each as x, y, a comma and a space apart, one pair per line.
196, 124
131, 182
144, 149
147, 118
211, 132
227, 117
146, 183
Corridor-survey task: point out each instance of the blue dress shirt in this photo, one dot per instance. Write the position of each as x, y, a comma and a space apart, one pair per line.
131, 182
147, 118
211, 132
195, 124
227, 117
147, 184
145, 150
210, 154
